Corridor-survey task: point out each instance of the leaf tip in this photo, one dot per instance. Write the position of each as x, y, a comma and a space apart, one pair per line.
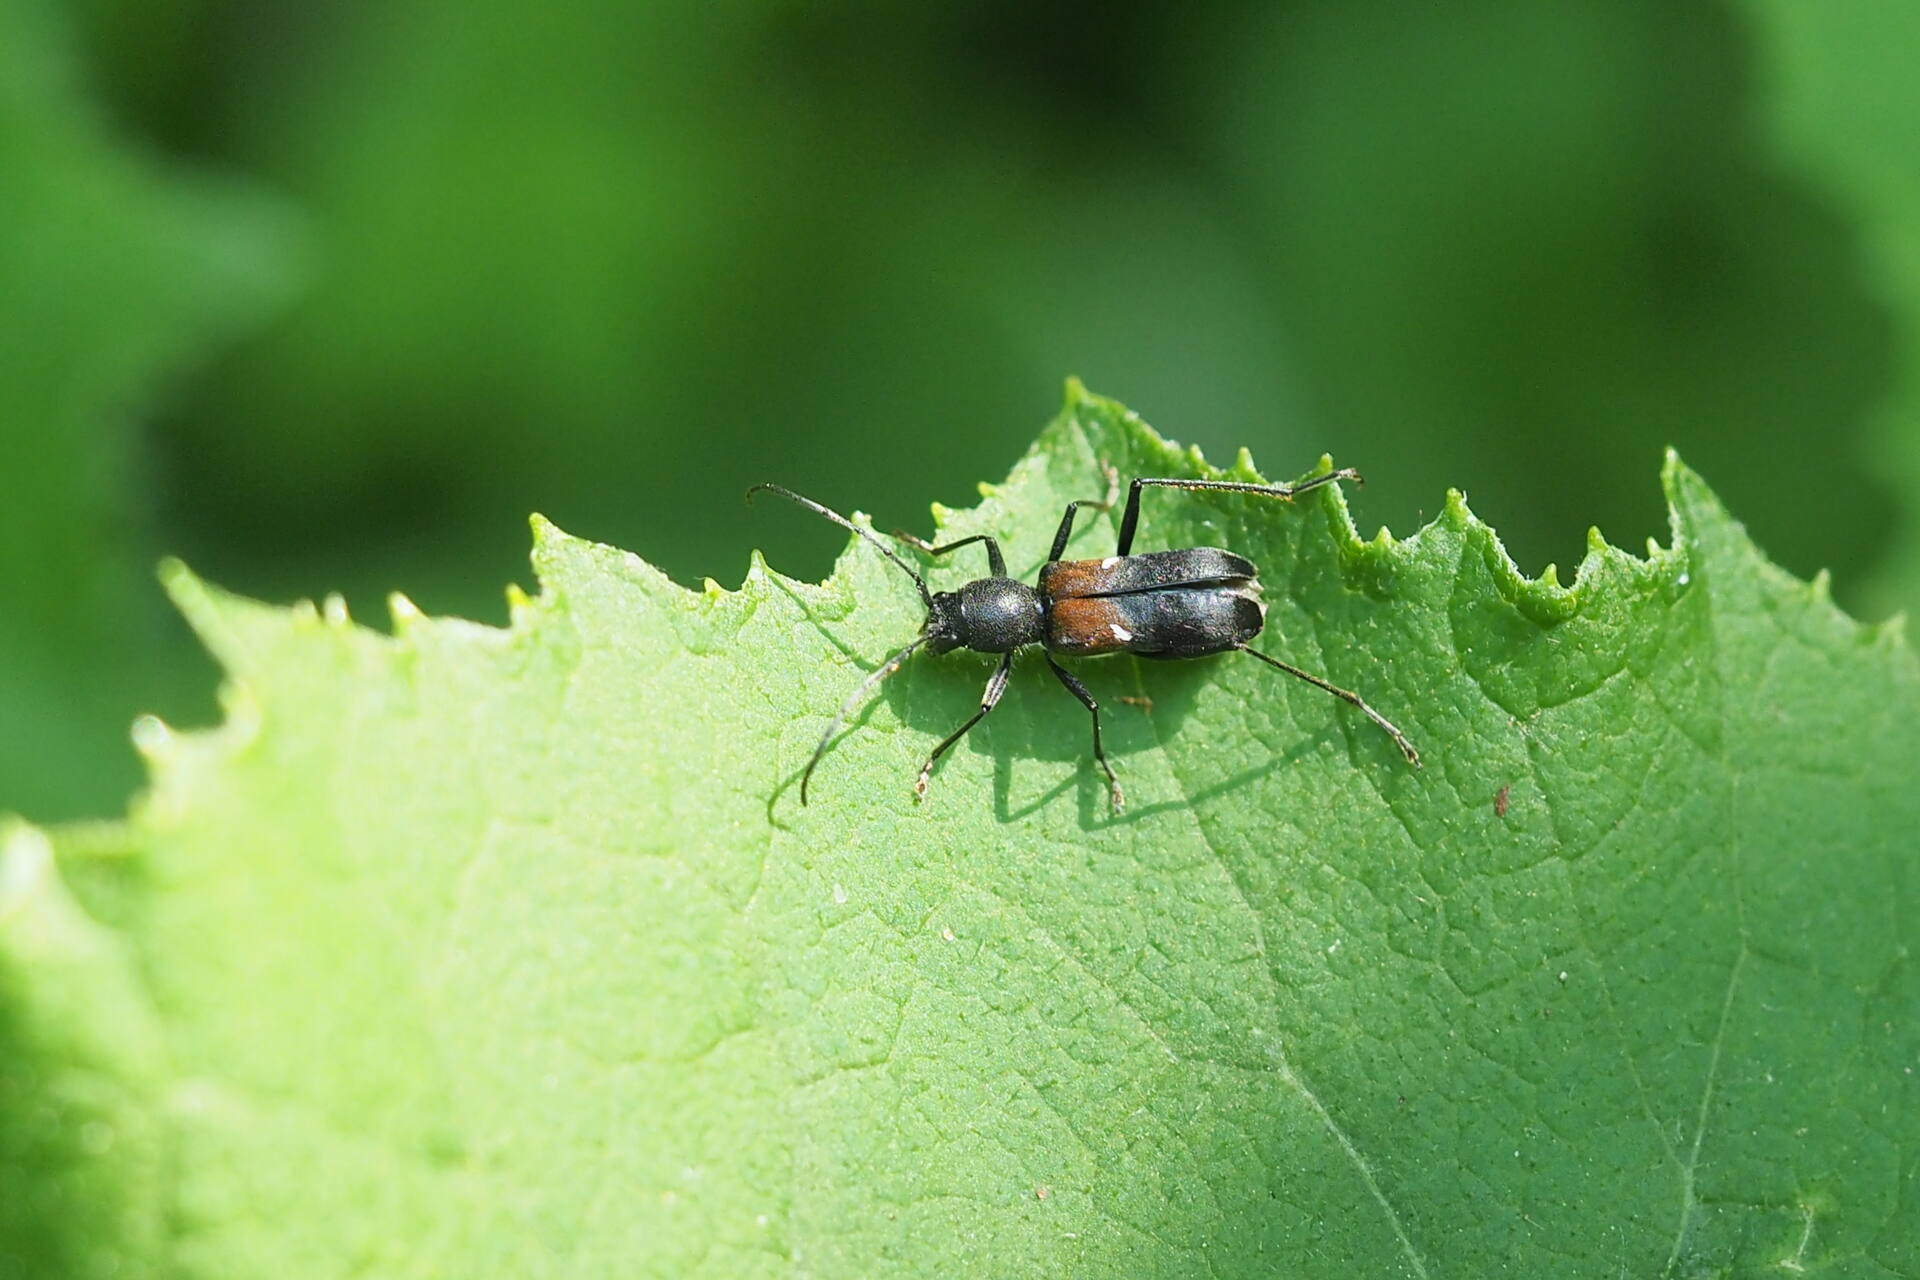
1688, 496
548, 539
206, 611
181, 584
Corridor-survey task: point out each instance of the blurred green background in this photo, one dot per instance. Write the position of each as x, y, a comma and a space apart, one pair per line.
329, 296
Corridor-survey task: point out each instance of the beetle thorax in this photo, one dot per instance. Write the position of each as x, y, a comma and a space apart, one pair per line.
990, 615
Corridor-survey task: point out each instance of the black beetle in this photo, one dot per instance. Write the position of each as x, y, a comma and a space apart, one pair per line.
1159, 604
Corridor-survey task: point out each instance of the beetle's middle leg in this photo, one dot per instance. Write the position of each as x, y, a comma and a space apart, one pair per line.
995, 561
996, 685
1078, 690
1101, 504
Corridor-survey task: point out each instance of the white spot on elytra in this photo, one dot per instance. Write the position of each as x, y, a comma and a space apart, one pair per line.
1109, 562
1120, 633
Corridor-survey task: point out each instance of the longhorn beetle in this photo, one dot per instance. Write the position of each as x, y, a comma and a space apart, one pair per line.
1186, 603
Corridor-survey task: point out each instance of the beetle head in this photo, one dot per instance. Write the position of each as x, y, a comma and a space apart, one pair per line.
945, 623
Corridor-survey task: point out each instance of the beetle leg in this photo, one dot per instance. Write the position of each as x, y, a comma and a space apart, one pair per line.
1347, 695
1078, 690
1130, 521
1102, 504
996, 685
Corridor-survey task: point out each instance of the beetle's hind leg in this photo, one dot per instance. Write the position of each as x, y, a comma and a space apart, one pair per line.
1345, 695
996, 685
1130, 519
1114, 795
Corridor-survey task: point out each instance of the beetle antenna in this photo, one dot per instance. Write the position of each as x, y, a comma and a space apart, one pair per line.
874, 677
926, 597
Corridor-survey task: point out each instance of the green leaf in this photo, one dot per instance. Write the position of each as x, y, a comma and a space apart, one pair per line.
482, 952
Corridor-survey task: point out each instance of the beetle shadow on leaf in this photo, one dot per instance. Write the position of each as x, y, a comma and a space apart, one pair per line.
1040, 738
1039, 727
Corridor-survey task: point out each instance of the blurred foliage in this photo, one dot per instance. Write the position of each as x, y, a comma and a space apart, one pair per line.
113, 273
1842, 99
616, 262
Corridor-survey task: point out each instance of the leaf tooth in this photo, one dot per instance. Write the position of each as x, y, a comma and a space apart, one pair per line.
404, 611
152, 738
26, 864
520, 605
334, 610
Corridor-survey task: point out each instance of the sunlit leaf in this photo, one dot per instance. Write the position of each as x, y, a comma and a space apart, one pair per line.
480, 952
